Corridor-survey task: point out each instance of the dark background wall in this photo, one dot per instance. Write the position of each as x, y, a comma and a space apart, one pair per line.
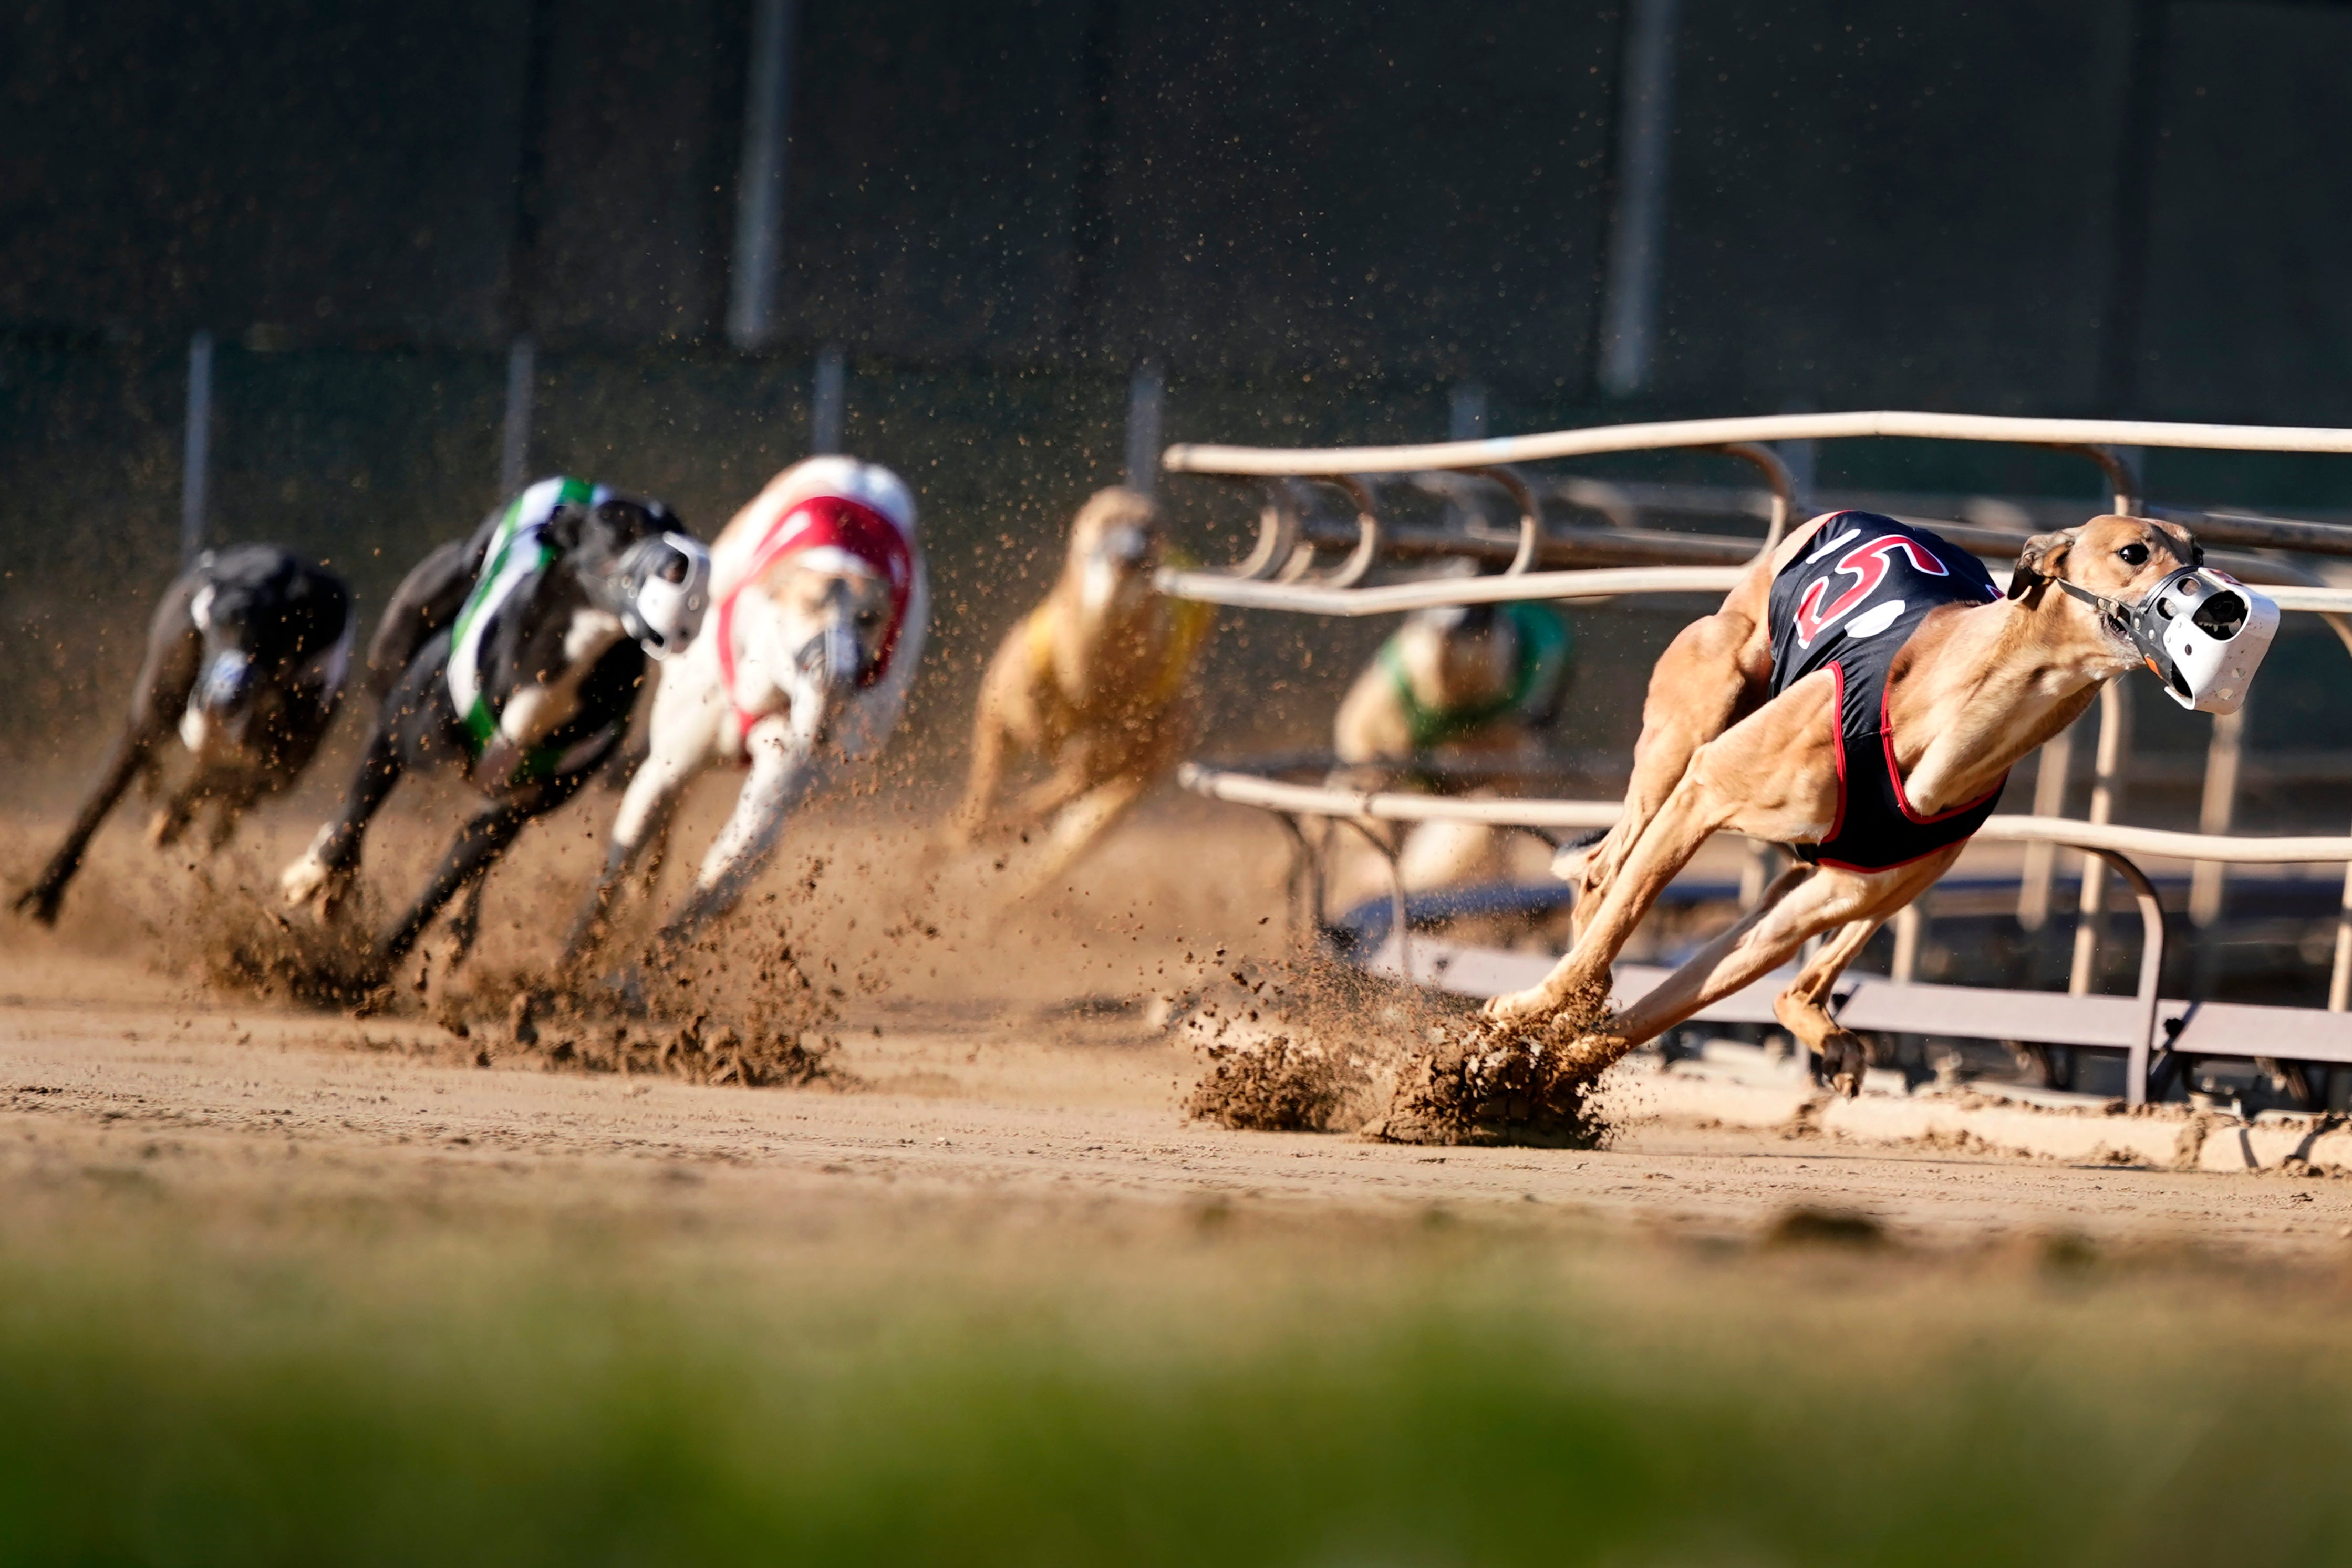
1320, 217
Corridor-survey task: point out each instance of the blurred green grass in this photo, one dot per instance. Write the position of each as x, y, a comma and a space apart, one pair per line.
1241, 1393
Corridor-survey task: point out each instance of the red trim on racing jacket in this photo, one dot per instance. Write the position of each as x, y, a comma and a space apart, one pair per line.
821, 522
1849, 603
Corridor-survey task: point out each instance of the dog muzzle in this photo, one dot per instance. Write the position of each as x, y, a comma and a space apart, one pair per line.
2202, 632
665, 593
228, 681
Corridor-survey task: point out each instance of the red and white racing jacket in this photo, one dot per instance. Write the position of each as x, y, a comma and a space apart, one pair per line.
832, 512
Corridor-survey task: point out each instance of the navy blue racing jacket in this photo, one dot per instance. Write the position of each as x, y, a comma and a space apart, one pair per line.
1848, 602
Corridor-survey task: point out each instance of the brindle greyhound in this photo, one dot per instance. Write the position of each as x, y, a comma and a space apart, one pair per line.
1096, 681
1969, 687
516, 657
823, 601
246, 659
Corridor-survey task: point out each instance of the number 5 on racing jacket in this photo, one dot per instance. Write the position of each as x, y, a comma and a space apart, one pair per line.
1848, 603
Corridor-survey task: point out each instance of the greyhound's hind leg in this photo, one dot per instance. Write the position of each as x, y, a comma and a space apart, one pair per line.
1713, 670
478, 845
640, 835
323, 873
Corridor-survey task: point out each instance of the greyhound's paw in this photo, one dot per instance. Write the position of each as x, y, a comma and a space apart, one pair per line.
1845, 1059
39, 904
1517, 1008
303, 881
311, 881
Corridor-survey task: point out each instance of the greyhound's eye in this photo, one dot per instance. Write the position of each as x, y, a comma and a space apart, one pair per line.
869, 618
2134, 554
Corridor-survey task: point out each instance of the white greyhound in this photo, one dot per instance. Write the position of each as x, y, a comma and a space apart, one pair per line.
820, 603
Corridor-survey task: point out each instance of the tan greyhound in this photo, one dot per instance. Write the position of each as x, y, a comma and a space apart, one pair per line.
1097, 681
1860, 639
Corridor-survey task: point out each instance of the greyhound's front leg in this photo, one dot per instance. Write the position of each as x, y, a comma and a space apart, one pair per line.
324, 874
1081, 822
1803, 1008
1071, 777
231, 801
134, 752
478, 845
988, 748
783, 774
638, 834
1690, 815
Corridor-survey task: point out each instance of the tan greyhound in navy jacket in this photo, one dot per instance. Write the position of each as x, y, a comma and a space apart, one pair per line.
1973, 688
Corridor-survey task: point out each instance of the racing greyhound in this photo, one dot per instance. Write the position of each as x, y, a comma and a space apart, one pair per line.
246, 658
823, 602
1860, 697
516, 657
1096, 681
1478, 681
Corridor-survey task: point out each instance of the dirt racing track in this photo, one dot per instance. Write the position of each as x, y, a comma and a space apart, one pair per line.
1041, 1075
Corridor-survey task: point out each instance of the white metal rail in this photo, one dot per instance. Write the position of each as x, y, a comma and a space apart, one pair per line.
1593, 582
1272, 462
1246, 788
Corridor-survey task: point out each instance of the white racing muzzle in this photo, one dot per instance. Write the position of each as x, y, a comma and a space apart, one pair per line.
2201, 632
665, 591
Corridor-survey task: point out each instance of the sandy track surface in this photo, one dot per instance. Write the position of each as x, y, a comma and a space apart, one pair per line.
309, 1104
1000, 1054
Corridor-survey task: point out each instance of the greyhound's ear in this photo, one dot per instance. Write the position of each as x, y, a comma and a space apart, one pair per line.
2043, 557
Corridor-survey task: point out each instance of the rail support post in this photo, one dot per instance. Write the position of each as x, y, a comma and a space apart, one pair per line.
2106, 785
2151, 972
2224, 753
2042, 859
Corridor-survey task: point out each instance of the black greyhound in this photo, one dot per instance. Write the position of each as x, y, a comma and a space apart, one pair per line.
515, 656
246, 660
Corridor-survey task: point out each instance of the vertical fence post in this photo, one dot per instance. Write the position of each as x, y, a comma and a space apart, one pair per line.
829, 403
2223, 753
753, 281
514, 436
2339, 978
2049, 800
2106, 787
1646, 125
1910, 928
1466, 412
1147, 398
1465, 420
195, 452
